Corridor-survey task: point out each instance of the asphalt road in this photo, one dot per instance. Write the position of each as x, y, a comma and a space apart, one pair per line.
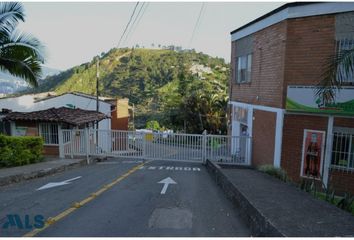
133, 205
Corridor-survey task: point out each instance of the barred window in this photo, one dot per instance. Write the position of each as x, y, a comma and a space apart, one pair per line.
49, 132
343, 150
345, 76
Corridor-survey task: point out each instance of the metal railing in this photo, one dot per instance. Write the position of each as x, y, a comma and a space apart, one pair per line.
156, 146
228, 149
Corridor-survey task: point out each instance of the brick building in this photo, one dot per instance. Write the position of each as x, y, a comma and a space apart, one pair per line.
277, 60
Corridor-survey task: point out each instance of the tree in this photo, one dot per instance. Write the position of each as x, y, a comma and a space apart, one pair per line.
153, 125
20, 54
336, 71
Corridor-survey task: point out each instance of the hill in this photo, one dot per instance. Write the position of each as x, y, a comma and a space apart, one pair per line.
10, 84
179, 89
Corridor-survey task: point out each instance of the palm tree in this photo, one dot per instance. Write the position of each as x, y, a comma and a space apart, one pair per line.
21, 54
336, 71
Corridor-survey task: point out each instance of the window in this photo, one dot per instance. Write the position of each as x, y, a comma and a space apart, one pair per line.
342, 76
244, 65
49, 132
240, 114
343, 150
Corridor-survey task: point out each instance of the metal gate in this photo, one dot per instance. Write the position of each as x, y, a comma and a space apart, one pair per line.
155, 146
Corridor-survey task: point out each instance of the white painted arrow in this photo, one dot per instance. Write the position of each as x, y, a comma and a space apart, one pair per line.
57, 184
167, 181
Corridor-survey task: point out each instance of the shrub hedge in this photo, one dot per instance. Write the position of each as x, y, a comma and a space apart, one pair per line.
18, 151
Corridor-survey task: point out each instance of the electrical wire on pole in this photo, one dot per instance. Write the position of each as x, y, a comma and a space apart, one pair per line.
126, 27
196, 24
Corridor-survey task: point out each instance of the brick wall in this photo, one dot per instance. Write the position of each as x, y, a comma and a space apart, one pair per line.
310, 41
51, 150
119, 123
343, 122
263, 137
293, 135
291, 52
267, 68
342, 181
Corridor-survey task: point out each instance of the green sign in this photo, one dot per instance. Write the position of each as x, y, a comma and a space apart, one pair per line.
303, 99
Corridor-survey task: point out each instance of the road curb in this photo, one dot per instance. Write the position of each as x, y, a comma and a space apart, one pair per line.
258, 224
40, 173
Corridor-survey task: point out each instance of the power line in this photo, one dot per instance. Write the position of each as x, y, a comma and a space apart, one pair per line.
141, 16
133, 26
126, 27
196, 24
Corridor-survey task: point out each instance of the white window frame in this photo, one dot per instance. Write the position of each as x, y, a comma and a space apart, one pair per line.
47, 132
244, 72
346, 133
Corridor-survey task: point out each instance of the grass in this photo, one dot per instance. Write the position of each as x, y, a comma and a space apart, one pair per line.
275, 172
336, 200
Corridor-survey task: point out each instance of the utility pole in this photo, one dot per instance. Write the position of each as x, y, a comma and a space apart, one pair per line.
133, 117
97, 76
97, 100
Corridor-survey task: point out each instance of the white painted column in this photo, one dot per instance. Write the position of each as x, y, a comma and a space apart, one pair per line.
278, 138
87, 144
328, 155
250, 134
12, 128
61, 142
250, 121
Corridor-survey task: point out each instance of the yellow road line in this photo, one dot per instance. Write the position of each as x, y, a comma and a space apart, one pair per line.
77, 205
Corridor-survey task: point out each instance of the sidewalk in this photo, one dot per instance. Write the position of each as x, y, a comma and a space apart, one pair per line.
274, 208
47, 167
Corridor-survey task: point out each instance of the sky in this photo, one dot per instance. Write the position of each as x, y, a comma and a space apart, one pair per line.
73, 33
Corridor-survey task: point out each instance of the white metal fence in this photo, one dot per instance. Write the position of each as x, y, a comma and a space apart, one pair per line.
155, 146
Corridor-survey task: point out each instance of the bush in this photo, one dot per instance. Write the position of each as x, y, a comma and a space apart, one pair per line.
275, 172
18, 151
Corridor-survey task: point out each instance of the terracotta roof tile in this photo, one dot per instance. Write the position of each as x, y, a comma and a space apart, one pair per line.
75, 116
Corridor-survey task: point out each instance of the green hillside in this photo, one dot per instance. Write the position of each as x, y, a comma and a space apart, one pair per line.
181, 90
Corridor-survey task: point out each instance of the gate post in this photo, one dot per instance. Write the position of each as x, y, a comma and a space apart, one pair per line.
204, 141
61, 142
72, 143
144, 145
249, 149
87, 143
